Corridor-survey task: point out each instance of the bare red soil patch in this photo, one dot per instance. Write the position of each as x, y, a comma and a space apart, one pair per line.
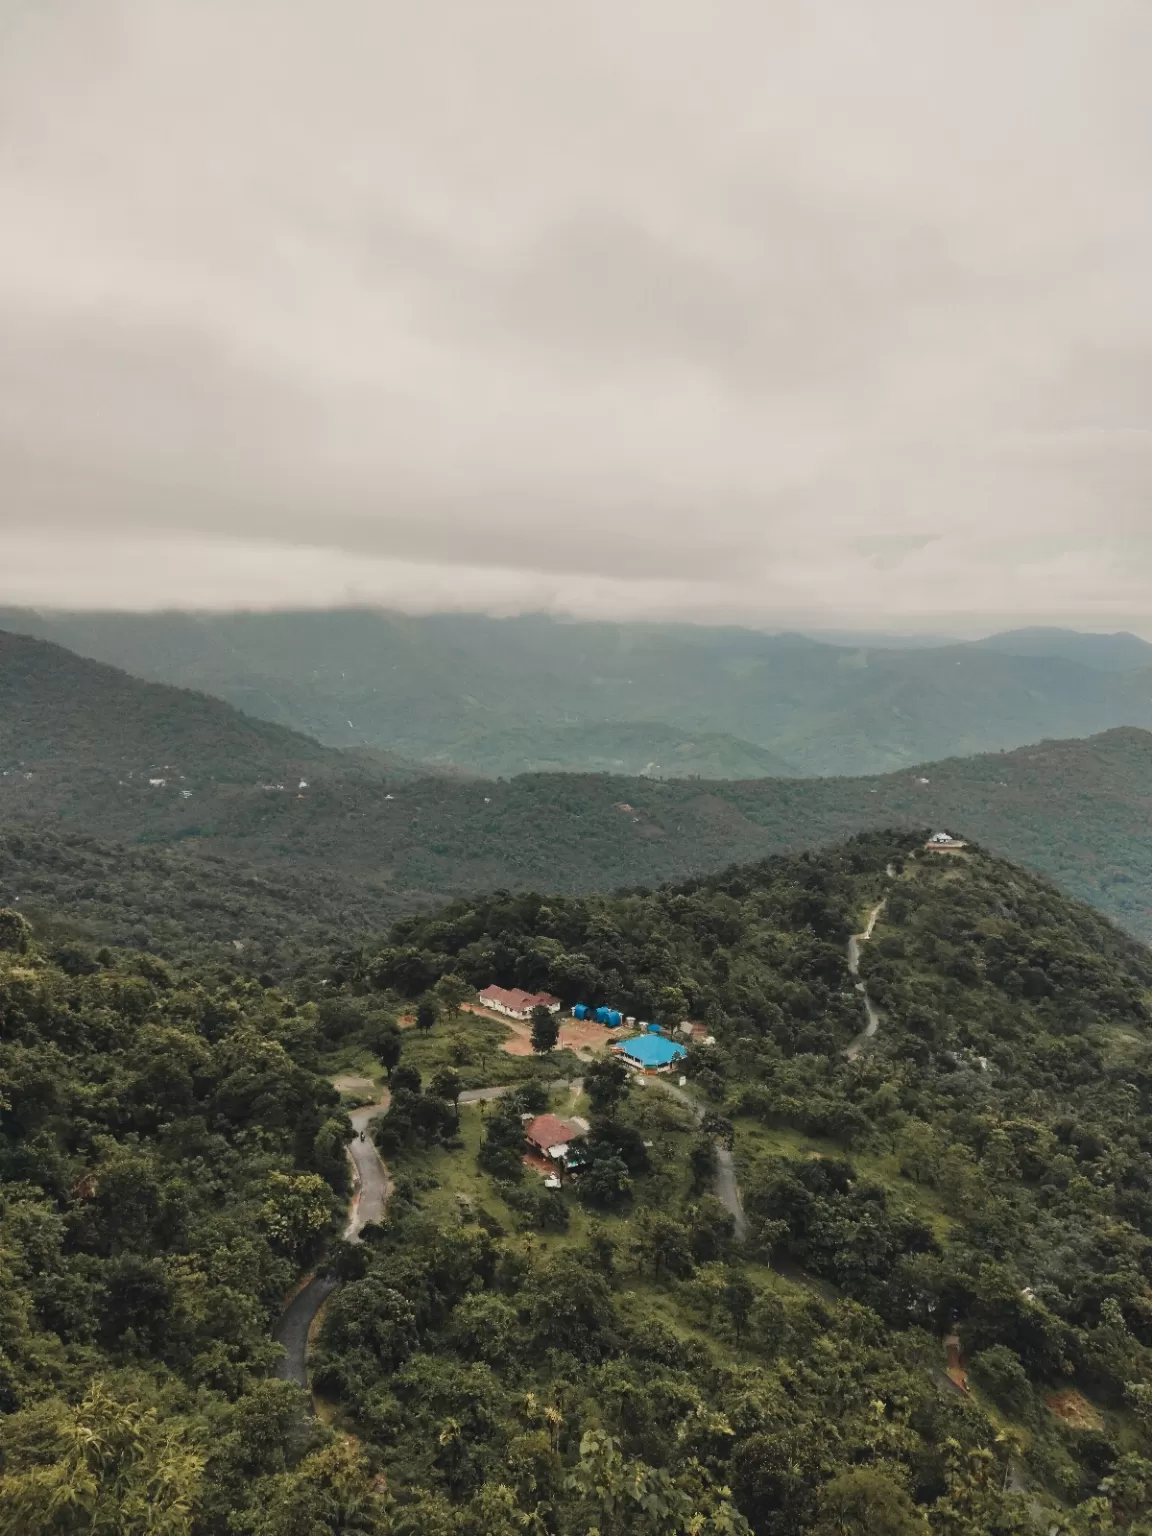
1074, 1409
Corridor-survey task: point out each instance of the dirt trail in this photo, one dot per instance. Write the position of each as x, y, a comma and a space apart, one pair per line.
726, 1189
872, 1018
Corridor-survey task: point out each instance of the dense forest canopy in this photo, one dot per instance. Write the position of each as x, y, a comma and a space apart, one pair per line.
968, 1192
104, 756
169, 1161
983, 1168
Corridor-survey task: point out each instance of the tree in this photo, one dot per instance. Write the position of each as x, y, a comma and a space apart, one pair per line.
702, 1161
738, 1298
369, 1314
719, 1128
452, 992
604, 1178
405, 1080
427, 1012
711, 1227
504, 1145
297, 1209
545, 1029
108, 1465
446, 1084
661, 1245
15, 932
333, 1489
606, 1082
386, 1043
866, 1503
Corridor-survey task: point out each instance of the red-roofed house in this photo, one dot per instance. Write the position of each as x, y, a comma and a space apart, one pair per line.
517, 1004
551, 1136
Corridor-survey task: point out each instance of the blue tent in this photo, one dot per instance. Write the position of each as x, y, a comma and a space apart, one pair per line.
580, 1011
602, 1015
615, 1018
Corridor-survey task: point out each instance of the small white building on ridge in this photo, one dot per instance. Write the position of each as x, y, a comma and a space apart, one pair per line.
941, 842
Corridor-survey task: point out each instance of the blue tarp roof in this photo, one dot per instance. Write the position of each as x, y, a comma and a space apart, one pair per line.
652, 1050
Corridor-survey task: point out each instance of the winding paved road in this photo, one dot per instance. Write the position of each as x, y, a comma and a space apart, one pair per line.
372, 1186
367, 1205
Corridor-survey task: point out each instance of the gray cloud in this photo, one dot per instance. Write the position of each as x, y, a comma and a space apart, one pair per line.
816, 316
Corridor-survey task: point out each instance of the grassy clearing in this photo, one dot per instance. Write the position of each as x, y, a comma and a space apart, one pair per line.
471, 1045
450, 1182
757, 1144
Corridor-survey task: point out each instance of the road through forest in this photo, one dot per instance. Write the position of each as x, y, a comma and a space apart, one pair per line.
370, 1199
367, 1205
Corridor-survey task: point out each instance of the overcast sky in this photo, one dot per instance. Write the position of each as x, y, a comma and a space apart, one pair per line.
824, 313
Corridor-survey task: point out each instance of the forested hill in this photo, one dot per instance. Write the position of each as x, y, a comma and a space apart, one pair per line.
499, 695
66, 716
169, 1163
362, 851
971, 1189
61, 712
938, 1323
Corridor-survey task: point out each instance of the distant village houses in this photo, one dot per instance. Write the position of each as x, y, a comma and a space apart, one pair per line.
516, 1004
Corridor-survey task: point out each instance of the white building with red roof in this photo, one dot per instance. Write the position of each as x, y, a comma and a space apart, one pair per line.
517, 1004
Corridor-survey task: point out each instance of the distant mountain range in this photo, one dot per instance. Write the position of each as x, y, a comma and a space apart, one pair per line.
99, 755
503, 696
1121, 652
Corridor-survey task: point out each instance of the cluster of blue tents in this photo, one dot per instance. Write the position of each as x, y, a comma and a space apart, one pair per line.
611, 1018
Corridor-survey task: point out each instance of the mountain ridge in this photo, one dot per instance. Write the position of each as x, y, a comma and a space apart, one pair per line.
471, 692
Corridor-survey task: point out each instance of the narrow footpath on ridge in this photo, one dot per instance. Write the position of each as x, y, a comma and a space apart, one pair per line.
870, 1014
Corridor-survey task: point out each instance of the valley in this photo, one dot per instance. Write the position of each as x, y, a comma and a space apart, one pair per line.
170, 783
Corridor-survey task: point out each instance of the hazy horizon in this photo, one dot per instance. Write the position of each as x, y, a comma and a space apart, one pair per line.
792, 316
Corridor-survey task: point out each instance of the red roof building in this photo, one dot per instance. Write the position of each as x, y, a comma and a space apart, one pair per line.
551, 1136
517, 1004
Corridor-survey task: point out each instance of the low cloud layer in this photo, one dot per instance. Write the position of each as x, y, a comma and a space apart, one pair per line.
788, 314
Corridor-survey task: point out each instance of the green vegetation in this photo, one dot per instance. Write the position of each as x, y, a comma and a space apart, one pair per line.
178, 904
502, 1357
981, 1168
169, 1163
360, 844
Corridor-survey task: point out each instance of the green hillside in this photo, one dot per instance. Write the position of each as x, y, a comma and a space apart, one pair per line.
970, 1190
78, 890
59, 711
631, 748
499, 695
362, 842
